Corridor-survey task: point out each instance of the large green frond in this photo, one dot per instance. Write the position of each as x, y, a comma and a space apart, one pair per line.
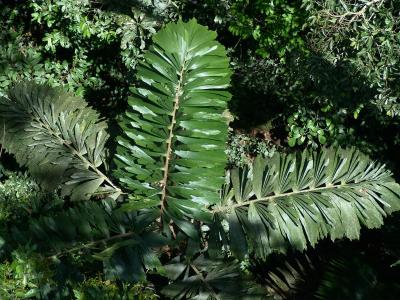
299, 199
57, 137
175, 132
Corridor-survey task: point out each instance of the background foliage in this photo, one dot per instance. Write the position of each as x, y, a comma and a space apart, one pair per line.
89, 47
307, 74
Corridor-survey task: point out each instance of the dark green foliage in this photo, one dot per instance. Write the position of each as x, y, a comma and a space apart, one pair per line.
173, 147
351, 278
274, 26
289, 277
30, 276
95, 289
17, 193
364, 34
243, 148
27, 276
307, 100
71, 241
341, 272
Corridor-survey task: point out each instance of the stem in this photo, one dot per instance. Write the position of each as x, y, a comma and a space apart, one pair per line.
118, 236
93, 167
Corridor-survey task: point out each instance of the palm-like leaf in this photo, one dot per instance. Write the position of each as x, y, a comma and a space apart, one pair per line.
57, 137
173, 147
300, 199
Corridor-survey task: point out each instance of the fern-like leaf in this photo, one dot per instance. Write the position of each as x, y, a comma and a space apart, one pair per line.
57, 137
299, 199
175, 132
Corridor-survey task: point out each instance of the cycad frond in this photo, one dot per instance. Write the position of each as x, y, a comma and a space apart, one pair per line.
57, 137
300, 199
175, 133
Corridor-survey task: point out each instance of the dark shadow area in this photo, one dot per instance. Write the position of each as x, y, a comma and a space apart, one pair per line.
8, 162
109, 98
340, 270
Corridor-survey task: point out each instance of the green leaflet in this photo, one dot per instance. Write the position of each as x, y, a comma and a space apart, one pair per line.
57, 137
300, 199
174, 137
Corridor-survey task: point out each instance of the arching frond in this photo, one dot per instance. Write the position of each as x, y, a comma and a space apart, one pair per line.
172, 150
57, 137
299, 199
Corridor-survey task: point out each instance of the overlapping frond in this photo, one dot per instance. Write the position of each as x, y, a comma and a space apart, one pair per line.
204, 278
174, 137
121, 240
57, 137
299, 199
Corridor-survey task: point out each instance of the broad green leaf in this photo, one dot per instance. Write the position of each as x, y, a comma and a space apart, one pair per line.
172, 149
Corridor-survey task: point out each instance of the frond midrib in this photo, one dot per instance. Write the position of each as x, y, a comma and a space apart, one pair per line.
166, 168
227, 208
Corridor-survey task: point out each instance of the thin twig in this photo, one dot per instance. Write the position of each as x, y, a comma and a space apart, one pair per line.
354, 16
